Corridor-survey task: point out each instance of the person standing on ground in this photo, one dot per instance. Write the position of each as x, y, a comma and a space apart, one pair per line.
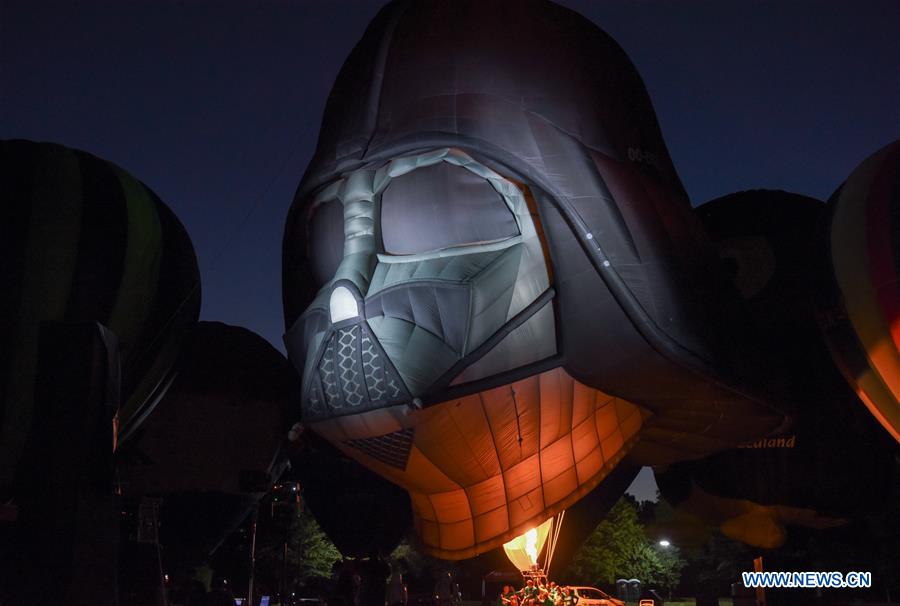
397, 594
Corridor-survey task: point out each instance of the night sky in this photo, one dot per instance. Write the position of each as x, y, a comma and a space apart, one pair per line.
216, 105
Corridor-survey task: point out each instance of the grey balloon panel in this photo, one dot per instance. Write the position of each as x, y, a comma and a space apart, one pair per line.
533, 341
457, 269
326, 230
420, 356
440, 206
441, 309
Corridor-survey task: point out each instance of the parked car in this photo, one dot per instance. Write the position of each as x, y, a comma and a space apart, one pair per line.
591, 596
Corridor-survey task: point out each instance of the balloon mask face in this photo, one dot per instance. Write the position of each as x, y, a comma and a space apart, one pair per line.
435, 302
433, 275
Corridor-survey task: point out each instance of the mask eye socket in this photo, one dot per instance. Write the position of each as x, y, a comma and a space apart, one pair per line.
442, 206
326, 240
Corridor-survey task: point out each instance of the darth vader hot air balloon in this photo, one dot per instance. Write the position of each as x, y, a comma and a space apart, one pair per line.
493, 280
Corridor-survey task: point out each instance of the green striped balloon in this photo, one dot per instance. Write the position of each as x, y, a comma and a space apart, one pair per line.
81, 240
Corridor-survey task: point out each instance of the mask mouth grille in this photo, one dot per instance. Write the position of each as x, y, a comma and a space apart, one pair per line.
352, 375
391, 449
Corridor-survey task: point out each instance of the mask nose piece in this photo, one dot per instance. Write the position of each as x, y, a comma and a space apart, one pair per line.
342, 305
350, 372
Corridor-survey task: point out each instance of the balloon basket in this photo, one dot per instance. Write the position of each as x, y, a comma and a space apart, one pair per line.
536, 574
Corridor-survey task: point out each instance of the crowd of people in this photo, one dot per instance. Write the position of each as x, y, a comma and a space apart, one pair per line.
537, 593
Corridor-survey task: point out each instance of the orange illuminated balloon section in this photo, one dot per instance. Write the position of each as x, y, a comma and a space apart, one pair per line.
494, 464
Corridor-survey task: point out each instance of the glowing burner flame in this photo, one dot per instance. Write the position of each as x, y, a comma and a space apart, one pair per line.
531, 546
523, 551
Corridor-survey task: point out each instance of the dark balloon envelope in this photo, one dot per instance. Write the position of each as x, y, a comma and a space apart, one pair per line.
362, 513
832, 462
211, 446
84, 241
494, 284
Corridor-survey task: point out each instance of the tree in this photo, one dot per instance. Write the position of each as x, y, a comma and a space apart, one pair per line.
416, 565
315, 552
619, 548
310, 554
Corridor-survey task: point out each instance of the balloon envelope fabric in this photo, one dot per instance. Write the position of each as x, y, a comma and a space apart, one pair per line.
491, 227
860, 315
211, 446
84, 241
773, 242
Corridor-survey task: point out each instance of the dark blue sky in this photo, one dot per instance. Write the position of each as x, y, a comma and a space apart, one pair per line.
216, 105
